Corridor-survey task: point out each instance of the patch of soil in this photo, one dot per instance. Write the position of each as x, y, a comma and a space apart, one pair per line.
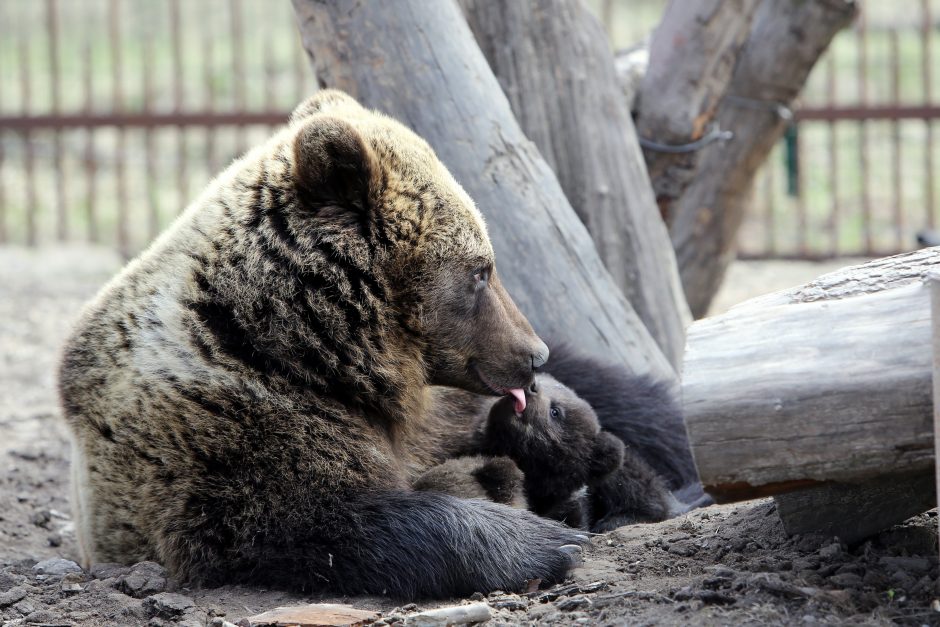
729, 564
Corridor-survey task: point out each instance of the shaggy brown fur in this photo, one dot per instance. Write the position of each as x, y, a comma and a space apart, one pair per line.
246, 396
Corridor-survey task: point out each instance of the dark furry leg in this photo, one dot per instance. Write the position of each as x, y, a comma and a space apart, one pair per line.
573, 511
413, 545
633, 494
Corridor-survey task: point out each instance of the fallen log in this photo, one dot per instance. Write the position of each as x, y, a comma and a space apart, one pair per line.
830, 381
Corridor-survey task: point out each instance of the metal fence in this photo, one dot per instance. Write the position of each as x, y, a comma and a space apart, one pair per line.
114, 113
855, 172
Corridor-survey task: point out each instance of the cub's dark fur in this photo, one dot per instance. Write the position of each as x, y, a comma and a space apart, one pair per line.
574, 471
247, 397
639, 410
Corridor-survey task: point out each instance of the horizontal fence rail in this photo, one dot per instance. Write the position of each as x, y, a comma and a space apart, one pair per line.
115, 113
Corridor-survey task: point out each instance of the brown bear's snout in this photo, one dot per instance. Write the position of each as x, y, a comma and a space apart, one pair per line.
540, 355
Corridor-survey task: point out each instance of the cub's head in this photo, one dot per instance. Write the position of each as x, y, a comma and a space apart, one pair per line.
421, 235
555, 440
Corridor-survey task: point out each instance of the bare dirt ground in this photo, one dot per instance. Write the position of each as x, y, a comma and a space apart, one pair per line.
729, 564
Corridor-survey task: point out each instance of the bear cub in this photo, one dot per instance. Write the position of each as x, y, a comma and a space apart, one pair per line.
572, 471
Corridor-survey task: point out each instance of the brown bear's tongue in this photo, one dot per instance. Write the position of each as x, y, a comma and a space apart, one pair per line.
519, 395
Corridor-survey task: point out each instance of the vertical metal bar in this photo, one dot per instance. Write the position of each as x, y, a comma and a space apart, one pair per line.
52, 28
146, 70
238, 67
926, 80
607, 15
898, 189
801, 196
834, 213
862, 69
269, 68
301, 66
117, 99
770, 202
4, 235
182, 182
29, 154
208, 60
91, 169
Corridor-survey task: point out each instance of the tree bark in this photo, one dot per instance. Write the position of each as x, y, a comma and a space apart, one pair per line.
418, 62
787, 38
552, 59
827, 382
692, 55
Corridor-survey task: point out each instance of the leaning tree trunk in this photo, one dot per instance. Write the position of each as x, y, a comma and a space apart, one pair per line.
418, 62
786, 40
692, 55
552, 59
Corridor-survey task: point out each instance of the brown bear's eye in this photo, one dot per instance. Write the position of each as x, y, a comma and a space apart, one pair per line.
555, 413
480, 277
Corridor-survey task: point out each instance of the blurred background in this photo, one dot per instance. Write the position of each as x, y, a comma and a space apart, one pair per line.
115, 113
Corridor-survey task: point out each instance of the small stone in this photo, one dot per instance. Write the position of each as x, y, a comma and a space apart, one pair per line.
54, 539
145, 579
12, 595
710, 597
167, 604
42, 617
56, 566
71, 587
24, 607
913, 565
846, 580
830, 551
683, 594
720, 572
106, 570
513, 605
594, 586
573, 603
477, 596
681, 549
875, 579
41, 518
411, 607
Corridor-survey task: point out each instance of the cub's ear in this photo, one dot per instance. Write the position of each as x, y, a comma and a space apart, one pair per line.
323, 101
333, 164
606, 456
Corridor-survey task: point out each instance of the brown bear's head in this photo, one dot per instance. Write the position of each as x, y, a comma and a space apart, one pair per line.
423, 235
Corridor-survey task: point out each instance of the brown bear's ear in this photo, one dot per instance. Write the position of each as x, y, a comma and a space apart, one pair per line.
322, 101
606, 456
333, 165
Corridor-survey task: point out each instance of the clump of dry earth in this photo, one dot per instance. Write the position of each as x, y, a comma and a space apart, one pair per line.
720, 565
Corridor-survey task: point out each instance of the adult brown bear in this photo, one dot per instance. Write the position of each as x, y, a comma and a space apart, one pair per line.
244, 396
